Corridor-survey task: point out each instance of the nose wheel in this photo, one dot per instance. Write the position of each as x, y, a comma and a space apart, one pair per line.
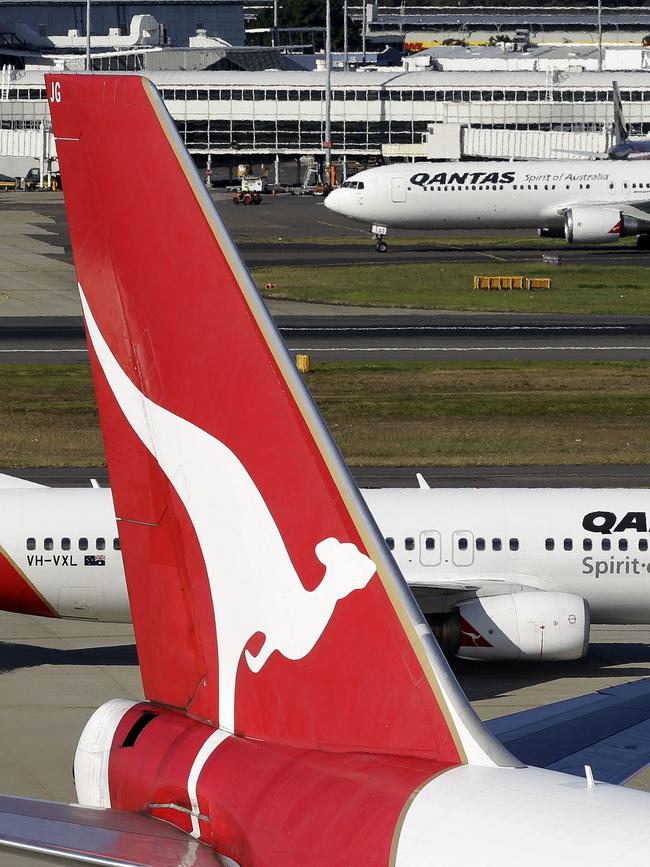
379, 234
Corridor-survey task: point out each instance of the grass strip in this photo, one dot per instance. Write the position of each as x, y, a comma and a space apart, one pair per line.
582, 288
402, 413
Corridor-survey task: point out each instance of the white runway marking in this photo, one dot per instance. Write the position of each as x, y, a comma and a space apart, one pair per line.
468, 348
43, 350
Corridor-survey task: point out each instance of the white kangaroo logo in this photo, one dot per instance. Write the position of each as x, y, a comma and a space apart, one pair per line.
254, 585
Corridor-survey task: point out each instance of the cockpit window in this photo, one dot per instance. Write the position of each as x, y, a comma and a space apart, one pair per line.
353, 185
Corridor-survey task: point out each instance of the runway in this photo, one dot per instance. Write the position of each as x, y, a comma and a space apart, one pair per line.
383, 338
558, 476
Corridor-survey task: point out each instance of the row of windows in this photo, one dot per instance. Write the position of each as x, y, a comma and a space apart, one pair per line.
480, 544
588, 544
295, 134
66, 544
392, 95
395, 95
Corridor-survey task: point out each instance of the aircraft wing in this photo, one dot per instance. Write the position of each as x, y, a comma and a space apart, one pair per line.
486, 584
114, 838
608, 730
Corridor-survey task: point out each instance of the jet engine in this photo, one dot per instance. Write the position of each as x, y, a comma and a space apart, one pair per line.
532, 626
597, 225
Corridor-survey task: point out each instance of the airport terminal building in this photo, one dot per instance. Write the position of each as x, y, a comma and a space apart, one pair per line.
389, 113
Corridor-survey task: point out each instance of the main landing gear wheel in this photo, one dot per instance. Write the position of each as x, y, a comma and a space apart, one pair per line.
382, 246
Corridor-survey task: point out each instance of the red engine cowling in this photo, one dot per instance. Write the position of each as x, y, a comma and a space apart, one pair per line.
528, 626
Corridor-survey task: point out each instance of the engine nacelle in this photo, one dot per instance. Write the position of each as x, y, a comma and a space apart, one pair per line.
93, 753
597, 225
528, 626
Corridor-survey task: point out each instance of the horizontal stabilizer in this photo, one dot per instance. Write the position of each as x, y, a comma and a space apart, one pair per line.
9, 481
608, 730
108, 837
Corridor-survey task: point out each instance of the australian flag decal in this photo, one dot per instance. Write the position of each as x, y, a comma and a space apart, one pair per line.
95, 560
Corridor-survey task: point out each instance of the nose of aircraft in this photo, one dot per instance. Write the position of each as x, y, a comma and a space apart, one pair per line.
335, 201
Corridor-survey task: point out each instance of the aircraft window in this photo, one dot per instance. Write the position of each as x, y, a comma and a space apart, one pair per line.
496, 544
568, 544
31, 544
587, 545
625, 185
588, 186
83, 544
568, 187
473, 188
409, 543
513, 544
529, 187
390, 543
65, 544
606, 544
360, 185
462, 544
553, 186
430, 543
535, 186
611, 186
100, 543
116, 544
480, 544
643, 544
550, 544
48, 544
546, 186
634, 186
580, 186
622, 544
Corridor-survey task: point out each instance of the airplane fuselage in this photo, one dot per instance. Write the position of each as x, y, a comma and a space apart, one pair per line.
491, 195
58, 547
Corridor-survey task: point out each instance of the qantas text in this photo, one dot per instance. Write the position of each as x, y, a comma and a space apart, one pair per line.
608, 522
423, 179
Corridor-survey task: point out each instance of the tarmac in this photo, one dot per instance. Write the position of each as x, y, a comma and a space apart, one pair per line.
37, 275
54, 673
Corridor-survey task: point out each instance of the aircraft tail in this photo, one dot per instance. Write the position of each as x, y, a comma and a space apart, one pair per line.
263, 597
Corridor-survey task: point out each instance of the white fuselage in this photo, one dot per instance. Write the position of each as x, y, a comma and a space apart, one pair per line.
545, 539
490, 195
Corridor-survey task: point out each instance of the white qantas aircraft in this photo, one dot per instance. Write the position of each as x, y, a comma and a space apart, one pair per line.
298, 709
597, 202
501, 574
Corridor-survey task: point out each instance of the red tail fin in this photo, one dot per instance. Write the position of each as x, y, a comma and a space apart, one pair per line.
263, 597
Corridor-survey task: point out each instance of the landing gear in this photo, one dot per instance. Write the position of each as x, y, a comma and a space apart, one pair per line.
379, 234
643, 242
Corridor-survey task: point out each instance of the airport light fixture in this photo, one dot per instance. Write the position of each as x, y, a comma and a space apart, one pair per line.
88, 65
327, 144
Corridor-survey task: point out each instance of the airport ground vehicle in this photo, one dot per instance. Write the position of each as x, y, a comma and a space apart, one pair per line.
252, 187
51, 180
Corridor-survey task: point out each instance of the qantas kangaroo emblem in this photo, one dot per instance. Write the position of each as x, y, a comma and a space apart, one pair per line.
214, 486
